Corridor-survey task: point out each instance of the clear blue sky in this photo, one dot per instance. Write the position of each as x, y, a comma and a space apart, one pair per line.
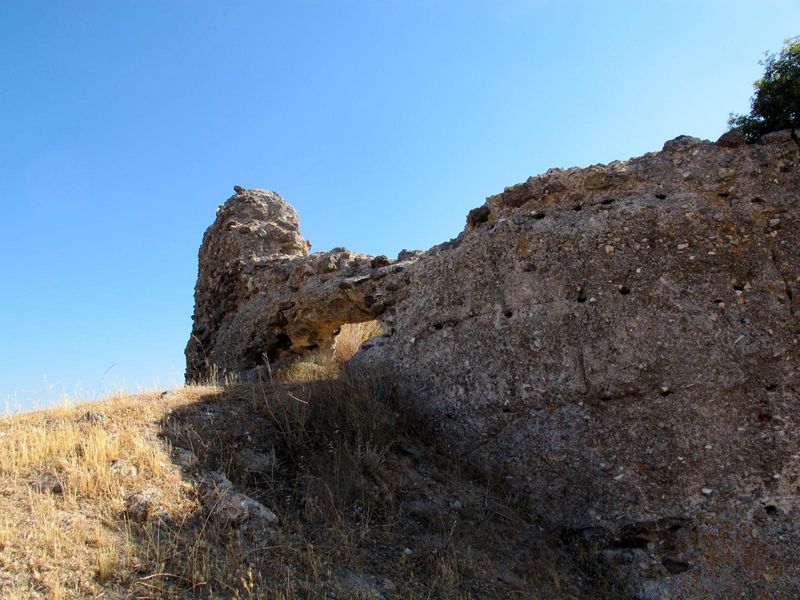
124, 123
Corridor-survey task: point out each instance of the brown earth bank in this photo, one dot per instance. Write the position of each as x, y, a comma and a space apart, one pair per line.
617, 344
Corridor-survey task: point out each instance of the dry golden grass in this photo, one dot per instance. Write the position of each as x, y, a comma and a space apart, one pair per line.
70, 542
348, 481
353, 335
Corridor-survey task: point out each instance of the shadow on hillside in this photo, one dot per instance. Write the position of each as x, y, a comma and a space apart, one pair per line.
365, 508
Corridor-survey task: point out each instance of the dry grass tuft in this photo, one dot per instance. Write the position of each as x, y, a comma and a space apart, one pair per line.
353, 335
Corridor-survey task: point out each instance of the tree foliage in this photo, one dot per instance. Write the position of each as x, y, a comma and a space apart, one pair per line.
776, 103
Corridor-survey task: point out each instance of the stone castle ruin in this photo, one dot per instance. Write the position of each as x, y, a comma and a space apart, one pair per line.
621, 343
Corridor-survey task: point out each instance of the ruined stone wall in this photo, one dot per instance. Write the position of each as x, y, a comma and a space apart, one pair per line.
261, 296
622, 343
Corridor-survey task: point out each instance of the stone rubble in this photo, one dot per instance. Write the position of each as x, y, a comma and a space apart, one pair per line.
141, 505
229, 507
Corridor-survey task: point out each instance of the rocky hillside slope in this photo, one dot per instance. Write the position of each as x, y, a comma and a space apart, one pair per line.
310, 485
620, 343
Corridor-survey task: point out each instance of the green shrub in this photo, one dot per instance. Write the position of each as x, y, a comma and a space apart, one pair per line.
776, 103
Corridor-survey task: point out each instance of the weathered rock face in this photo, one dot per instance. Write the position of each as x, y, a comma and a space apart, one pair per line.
622, 343
260, 295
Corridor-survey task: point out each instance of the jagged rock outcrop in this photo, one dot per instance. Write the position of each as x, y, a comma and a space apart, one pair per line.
260, 295
621, 343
